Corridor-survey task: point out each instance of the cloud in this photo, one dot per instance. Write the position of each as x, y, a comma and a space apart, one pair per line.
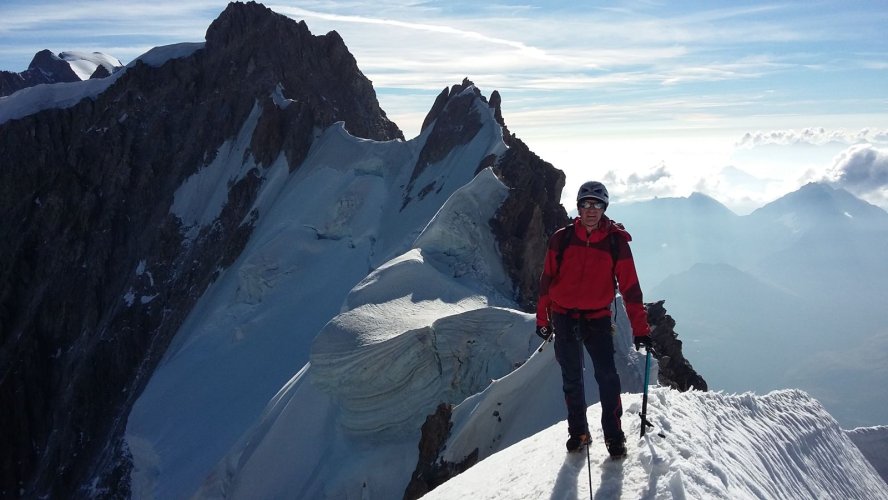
658, 174
815, 136
861, 168
639, 186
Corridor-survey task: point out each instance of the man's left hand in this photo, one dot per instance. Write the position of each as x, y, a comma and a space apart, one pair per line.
544, 332
643, 341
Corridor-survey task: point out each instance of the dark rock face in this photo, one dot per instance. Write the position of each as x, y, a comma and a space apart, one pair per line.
675, 371
45, 67
431, 472
100, 72
528, 217
85, 194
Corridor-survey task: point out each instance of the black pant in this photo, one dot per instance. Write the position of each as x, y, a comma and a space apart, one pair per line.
571, 334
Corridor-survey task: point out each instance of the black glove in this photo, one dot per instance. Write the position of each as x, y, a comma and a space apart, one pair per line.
642, 340
544, 332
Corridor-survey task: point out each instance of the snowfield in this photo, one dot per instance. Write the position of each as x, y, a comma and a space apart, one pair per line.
780, 445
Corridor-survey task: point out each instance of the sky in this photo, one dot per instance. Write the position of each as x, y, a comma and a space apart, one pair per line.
744, 101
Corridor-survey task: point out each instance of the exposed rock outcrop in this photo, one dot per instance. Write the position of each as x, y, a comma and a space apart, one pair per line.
430, 471
95, 274
675, 371
100, 72
527, 218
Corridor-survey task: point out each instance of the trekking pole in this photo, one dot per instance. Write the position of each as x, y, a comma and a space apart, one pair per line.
545, 341
644, 399
589, 468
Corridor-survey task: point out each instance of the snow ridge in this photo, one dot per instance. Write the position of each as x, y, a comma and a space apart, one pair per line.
401, 348
780, 445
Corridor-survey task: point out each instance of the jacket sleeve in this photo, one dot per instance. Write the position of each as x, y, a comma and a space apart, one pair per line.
549, 268
630, 289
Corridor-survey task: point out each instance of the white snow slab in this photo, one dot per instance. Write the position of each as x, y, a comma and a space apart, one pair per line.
84, 64
780, 445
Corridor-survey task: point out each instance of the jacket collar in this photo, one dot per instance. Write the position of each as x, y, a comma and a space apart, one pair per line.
605, 227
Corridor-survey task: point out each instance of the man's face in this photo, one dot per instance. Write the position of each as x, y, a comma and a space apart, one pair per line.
591, 216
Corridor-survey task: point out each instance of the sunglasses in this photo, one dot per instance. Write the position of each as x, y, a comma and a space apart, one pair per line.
587, 204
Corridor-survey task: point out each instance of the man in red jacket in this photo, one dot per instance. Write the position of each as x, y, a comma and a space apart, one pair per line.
584, 264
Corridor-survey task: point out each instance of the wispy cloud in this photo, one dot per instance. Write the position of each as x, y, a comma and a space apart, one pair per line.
813, 135
432, 28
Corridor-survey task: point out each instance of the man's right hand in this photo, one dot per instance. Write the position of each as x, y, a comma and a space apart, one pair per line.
544, 332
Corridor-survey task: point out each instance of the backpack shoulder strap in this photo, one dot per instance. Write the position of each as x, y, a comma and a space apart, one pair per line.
615, 249
615, 254
563, 244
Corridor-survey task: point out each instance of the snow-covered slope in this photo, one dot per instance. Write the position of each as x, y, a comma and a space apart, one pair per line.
320, 230
85, 64
427, 327
781, 445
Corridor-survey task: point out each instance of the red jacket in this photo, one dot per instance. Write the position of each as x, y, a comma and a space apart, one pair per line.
585, 280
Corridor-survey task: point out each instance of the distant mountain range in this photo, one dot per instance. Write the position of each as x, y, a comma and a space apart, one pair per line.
675, 233
756, 296
70, 66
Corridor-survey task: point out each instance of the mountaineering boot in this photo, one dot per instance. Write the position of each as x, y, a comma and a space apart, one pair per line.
576, 443
616, 446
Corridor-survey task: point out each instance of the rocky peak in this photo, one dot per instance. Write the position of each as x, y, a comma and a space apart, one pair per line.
532, 211
54, 67
250, 46
45, 67
444, 98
